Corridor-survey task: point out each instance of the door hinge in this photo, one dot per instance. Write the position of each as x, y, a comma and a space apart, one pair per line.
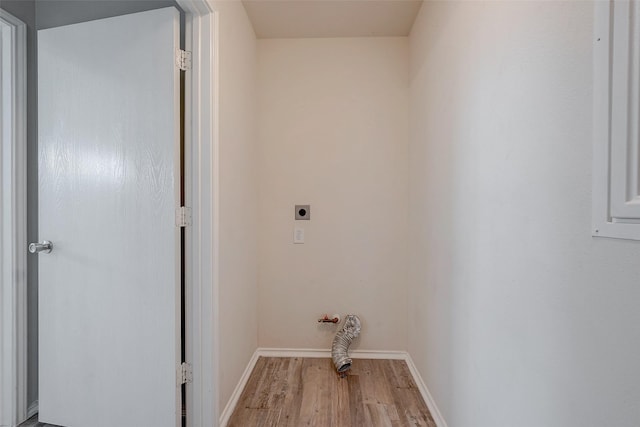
183, 216
185, 373
183, 59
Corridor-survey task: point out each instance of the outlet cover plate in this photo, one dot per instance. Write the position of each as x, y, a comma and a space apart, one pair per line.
303, 212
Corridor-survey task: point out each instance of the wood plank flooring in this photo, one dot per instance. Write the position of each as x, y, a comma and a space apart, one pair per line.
295, 392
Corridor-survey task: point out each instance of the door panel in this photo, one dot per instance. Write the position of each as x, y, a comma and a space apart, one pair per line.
108, 124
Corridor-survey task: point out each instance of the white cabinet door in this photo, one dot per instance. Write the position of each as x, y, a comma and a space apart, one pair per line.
108, 132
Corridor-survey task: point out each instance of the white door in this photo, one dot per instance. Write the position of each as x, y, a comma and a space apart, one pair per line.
108, 131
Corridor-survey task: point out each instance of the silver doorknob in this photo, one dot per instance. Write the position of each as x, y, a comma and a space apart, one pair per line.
45, 247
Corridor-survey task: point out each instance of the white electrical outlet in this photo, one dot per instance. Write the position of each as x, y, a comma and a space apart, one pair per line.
298, 235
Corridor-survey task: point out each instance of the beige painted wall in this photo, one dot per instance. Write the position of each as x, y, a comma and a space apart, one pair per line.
517, 316
333, 133
238, 196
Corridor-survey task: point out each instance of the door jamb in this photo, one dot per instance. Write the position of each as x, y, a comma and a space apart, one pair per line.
13, 227
202, 195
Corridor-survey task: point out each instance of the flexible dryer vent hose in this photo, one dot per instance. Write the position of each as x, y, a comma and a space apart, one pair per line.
342, 341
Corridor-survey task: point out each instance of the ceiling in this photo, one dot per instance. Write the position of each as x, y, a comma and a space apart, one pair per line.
331, 18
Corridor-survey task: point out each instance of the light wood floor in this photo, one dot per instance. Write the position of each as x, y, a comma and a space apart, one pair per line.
295, 392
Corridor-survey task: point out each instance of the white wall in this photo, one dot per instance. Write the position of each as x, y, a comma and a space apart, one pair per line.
333, 133
238, 196
517, 316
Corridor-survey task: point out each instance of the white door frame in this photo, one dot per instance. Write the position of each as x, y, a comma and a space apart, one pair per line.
202, 195
13, 217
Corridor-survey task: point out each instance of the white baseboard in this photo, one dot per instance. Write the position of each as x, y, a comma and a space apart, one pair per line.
312, 352
235, 396
424, 391
321, 353
32, 409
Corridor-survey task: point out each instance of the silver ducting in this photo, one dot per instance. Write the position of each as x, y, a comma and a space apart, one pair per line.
342, 341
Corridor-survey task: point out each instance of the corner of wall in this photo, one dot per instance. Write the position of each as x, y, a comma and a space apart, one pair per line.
238, 198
